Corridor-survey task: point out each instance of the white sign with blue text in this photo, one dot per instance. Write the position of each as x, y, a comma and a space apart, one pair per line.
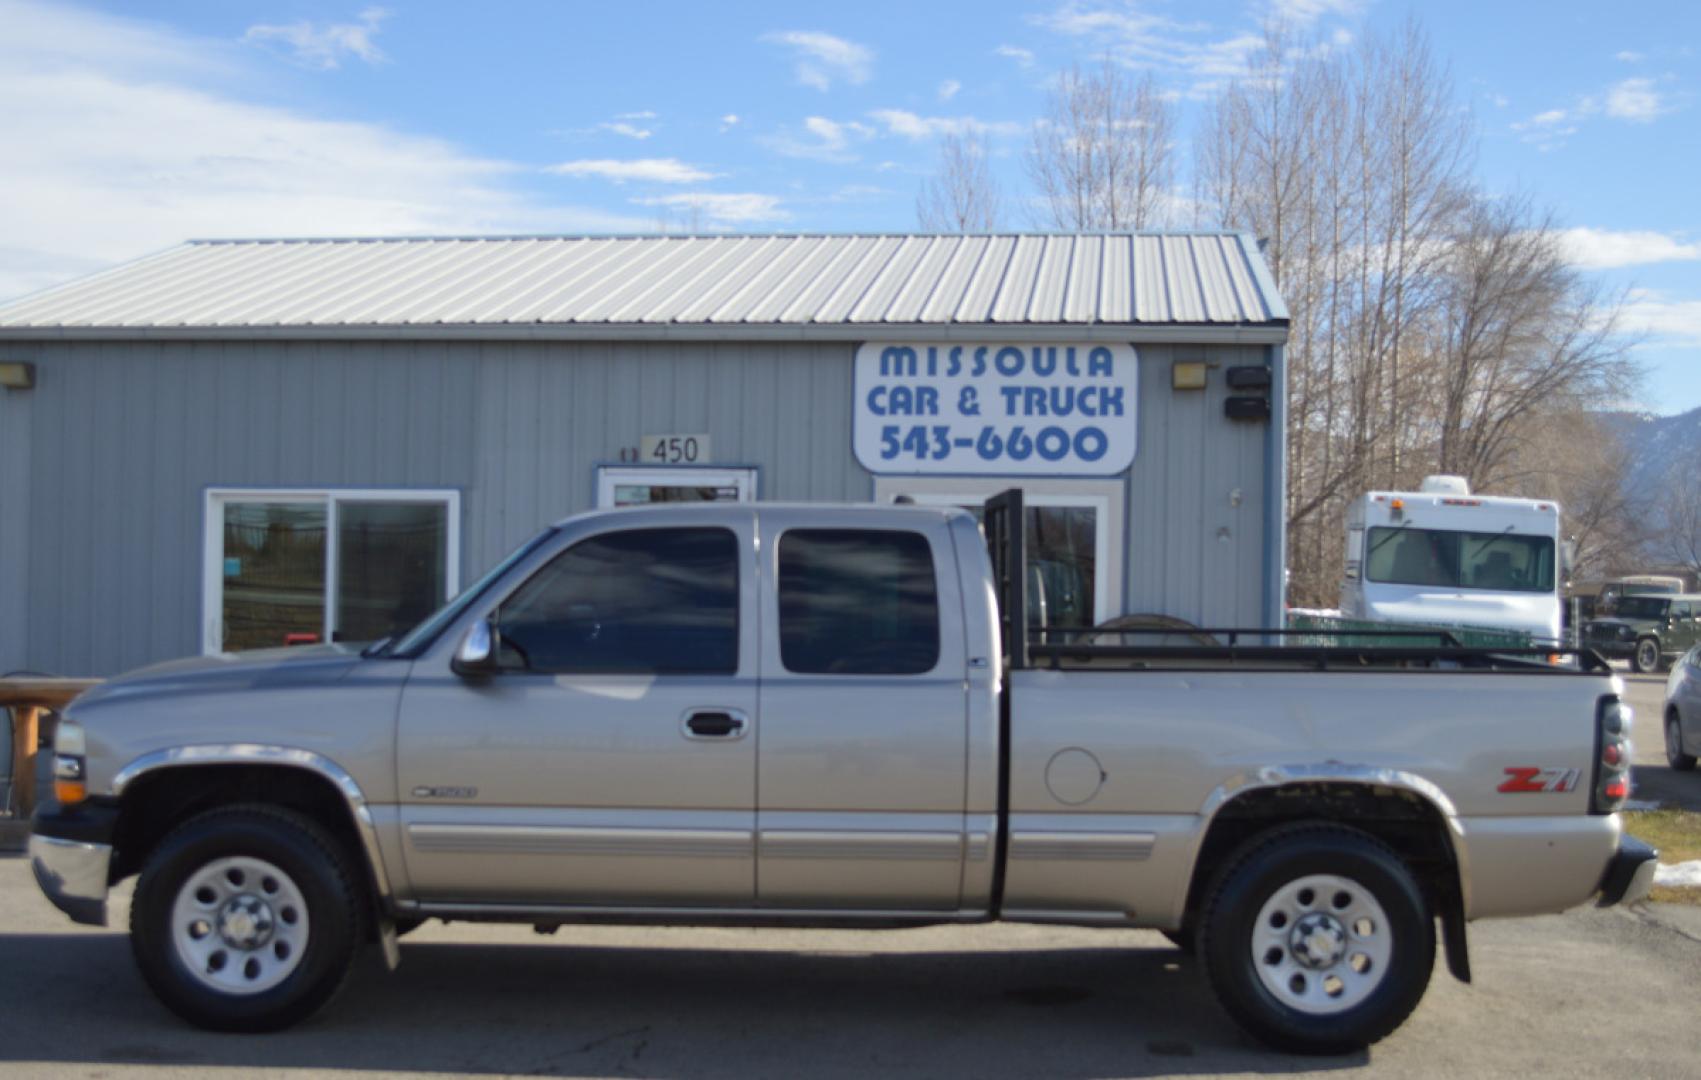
1004, 410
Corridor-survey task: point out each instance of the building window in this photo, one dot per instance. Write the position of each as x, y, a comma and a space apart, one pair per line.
300, 567
640, 485
857, 602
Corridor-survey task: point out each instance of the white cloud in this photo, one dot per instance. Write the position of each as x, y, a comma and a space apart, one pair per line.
647, 170
123, 138
1547, 130
1628, 57
1303, 12
823, 140
948, 89
324, 46
730, 121
1635, 100
1663, 318
911, 126
722, 209
822, 58
1023, 57
631, 131
1605, 249
647, 114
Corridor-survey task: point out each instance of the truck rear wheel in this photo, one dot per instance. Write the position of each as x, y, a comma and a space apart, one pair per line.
1317, 939
246, 919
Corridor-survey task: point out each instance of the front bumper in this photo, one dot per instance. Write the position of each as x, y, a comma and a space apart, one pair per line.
73, 875
1613, 650
71, 857
1630, 874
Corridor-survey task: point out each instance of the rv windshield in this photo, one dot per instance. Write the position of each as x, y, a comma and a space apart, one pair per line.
1501, 562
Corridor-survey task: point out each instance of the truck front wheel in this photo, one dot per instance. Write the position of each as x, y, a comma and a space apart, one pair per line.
1646, 658
1317, 939
246, 919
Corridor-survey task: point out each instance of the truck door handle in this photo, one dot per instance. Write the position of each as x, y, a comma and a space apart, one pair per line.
714, 724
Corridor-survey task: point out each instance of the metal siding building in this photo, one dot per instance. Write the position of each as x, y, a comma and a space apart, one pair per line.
508, 371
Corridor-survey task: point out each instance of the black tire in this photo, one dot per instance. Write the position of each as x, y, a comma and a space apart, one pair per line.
1258, 876
317, 868
1675, 756
1646, 656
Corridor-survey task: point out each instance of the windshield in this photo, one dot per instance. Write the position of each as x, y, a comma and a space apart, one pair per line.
1642, 607
423, 634
1502, 562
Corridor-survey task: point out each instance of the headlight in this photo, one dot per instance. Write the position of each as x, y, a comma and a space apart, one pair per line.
70, 774
1625, 633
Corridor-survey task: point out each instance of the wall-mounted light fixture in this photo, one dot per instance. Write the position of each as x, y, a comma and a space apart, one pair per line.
17, 374
1187, 375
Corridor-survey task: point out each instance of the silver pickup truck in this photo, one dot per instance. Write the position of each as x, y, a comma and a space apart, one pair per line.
814, 715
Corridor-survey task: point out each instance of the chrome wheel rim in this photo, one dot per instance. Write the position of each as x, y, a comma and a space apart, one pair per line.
1647, 655
240, 925
1322, 944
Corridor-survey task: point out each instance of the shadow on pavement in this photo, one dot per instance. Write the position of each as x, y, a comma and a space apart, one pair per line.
550, 1010
1664, 785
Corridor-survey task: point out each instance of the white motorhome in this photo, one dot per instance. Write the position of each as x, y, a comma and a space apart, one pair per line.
1443, 556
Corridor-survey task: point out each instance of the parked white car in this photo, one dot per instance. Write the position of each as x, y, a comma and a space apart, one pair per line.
1683, 711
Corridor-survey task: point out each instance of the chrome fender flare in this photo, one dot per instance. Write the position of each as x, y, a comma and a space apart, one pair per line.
1333, 772
263, 754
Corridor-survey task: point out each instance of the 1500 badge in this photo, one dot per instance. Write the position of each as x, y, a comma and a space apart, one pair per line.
424, 792
1524, 779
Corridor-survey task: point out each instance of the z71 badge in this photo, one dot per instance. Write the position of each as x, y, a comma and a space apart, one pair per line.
1524, 779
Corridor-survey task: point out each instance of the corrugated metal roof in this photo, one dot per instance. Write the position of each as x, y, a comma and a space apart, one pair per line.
598, 283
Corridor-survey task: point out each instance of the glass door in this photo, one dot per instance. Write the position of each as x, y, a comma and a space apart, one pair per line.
1073, 532
300, 568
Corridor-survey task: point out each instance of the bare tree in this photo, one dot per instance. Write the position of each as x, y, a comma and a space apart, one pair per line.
962, 195
1430, 328
1519, 336
1102, 156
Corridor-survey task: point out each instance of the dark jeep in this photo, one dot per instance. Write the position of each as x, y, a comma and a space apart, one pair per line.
1649, 631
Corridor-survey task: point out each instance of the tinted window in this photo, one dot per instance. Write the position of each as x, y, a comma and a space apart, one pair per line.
857, 602
1461, 560
1643, 607
650, 601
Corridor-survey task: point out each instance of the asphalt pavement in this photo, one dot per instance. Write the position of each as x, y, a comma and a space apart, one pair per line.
1590, 993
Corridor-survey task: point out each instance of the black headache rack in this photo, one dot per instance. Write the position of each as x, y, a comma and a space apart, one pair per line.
1026, 646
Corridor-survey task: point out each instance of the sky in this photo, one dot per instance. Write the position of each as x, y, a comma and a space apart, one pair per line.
129, 127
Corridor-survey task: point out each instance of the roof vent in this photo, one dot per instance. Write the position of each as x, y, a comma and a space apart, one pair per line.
1445, 485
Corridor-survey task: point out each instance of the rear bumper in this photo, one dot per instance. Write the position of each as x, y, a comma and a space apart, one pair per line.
71, 857
1630, 874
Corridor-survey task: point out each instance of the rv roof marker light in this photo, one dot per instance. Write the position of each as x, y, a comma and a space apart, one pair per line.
1397, 504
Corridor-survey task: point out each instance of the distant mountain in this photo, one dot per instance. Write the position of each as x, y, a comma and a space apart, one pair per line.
1658, 446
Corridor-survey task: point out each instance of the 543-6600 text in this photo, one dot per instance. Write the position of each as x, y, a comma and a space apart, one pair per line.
936, 442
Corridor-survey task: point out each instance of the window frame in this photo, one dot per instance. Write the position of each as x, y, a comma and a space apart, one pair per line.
493, 611
214, 500
608, 477
935, 564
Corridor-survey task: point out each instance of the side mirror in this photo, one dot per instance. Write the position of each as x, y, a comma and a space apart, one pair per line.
476, 656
